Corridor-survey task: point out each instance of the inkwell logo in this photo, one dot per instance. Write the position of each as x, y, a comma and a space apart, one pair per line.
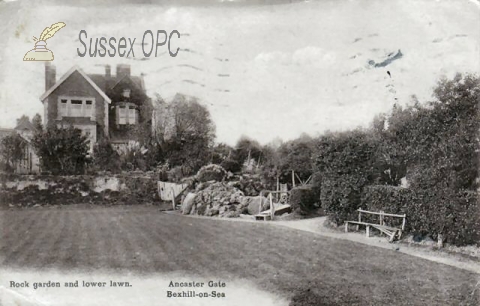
40, 52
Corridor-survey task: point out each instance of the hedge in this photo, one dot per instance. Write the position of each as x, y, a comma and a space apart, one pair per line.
304, 198
458, 221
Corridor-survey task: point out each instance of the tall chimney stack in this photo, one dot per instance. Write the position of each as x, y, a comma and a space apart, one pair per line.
123, 70
50, 75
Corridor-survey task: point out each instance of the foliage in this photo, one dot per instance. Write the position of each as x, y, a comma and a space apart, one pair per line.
458, 222
346, 163
247, 149
440, 141
105, 158
185, 132
133, 158
296, 155
62, 150
211, 172
11, 150
37, 122
304, 198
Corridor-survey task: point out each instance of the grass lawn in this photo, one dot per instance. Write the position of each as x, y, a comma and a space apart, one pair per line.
306, 268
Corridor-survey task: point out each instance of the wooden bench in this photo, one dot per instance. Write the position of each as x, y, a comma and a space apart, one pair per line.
390, 231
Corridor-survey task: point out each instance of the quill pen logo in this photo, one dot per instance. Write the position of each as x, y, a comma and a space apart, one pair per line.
40, 52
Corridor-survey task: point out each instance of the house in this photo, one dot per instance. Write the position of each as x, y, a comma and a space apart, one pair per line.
100, 105
29, 162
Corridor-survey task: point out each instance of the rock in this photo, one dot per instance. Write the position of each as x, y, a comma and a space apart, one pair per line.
231, 214
257, 205
188, 203
217, 198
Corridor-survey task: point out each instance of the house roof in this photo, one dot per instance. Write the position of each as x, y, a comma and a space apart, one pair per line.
25, 125
101, 81
68, 74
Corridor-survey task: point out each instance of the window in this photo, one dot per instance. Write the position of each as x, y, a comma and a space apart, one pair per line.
127, 114
76, 107
122, 119
126, 93
88, 109
132, 114
62, 110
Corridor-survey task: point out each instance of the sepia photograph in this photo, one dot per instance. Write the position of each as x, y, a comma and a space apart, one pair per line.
239, 152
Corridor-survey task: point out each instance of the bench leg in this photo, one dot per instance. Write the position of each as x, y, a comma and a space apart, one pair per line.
346, 227
392, 237
368, 231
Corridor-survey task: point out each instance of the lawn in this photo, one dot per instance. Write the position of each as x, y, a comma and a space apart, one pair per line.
301, 266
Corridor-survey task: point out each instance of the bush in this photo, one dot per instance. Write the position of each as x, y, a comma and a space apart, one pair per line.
211, 172
458, 220
304, 198
175, 174
346, 163
105, 158
62, 150
231, 165
393, 200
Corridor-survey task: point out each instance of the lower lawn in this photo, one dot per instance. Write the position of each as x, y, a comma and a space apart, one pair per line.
301, 266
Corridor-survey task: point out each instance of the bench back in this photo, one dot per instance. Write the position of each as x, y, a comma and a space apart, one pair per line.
382, 215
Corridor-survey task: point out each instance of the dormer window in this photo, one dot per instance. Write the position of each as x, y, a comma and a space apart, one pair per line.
126, 93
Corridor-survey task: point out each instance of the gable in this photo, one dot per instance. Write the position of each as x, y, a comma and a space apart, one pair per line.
75, 83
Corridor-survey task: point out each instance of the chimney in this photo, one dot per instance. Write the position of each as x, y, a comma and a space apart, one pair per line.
50, 75
108, 72
123, 70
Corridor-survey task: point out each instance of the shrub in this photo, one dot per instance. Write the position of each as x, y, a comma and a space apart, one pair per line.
457, 220
345, 161
105, 158
231, 165
175, 174
211, 172
393, 200
62, 150
304, 198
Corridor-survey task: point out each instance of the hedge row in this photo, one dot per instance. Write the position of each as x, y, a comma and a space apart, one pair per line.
304, 199
458, 221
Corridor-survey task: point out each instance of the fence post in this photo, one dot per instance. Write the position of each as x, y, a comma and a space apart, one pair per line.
272, 209
173, 198
359, 220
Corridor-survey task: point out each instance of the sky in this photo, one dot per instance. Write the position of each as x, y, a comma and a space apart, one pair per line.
264, 69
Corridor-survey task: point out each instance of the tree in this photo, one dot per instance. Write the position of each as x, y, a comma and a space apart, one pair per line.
11, 150
185, 132
62, 150
247, 152
37, 122
438, 144
296, 155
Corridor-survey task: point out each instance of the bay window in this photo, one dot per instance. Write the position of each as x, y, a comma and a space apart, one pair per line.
127, 113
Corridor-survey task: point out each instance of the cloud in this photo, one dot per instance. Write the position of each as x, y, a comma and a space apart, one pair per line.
276, 58
305, 57
313, 56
